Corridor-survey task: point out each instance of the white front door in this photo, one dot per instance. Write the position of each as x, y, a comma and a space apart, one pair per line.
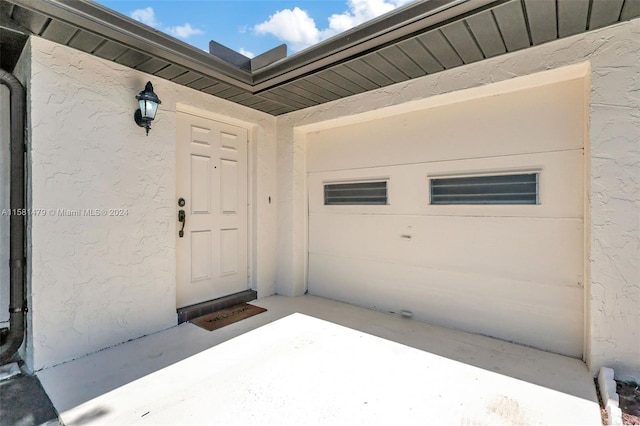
212, 184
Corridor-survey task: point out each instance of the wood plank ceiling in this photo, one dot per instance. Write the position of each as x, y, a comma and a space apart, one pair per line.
503, 27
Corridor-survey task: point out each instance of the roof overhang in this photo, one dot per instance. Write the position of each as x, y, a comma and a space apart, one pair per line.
421, 38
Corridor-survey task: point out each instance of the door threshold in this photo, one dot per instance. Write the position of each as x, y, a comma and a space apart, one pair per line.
193, 311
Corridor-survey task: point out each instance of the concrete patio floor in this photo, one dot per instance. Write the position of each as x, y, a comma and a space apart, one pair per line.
309, 360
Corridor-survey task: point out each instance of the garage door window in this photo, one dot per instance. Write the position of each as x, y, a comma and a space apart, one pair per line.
356, 193
500, 189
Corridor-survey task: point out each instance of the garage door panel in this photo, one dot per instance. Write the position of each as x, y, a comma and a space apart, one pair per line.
513, 271
497, 247
561, 186
547, 317
542, 119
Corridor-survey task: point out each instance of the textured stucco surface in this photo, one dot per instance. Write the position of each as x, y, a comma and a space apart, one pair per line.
613, 239
99, 281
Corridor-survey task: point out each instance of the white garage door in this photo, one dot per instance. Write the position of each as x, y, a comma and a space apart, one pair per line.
468, 215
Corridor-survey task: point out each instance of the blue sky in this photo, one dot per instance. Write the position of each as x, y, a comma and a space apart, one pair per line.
252, 27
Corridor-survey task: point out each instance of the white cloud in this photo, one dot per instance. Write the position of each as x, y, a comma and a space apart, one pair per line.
292, 26
183, 31
246, 53
361, 11
297, 28
148, 17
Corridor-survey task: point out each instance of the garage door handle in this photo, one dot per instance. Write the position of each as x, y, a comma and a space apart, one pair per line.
408, 237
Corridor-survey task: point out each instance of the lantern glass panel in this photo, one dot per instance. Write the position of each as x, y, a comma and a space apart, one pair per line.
148, 109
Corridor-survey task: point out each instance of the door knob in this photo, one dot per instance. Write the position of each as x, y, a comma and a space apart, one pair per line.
182, 217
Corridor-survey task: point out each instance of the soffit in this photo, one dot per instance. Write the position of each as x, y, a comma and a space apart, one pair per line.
421, 38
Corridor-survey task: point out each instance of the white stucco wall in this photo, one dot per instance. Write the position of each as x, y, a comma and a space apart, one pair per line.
100, 281
612, 303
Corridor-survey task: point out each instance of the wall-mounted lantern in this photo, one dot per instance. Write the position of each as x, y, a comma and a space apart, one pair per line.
149, 102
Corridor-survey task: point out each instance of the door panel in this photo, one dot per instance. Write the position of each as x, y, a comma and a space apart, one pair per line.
200, 184
212, 178
229, 186
200, 255
229, 251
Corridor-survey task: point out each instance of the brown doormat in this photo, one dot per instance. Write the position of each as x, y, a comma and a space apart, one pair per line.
227, 316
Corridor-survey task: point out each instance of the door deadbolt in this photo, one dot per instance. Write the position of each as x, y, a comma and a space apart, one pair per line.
181, 202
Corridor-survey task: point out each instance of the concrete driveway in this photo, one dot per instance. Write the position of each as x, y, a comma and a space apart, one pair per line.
311, 361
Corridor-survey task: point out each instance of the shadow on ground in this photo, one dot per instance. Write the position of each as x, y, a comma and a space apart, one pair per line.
23, 402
